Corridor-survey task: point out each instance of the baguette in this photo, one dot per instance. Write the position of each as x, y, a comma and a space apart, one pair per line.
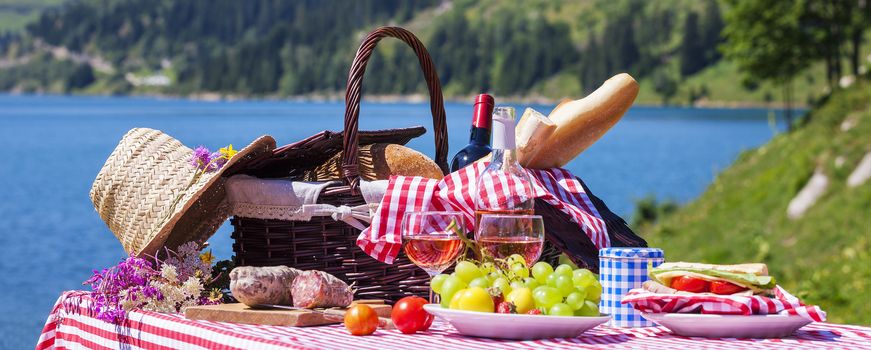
582, 122
532, 131
562, 103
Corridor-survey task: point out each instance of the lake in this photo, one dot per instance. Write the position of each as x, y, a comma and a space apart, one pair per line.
54, 146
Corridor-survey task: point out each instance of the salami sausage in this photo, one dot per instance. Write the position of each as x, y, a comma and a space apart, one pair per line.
263, 285
313, 289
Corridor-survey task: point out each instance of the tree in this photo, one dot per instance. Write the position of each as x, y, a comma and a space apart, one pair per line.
713, 25
826, 21
664, 85
81, 77
860, 19
692, 51
767, 40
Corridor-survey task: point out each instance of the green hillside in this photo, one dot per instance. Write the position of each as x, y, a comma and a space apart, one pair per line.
15, 14
531, 49
824, 256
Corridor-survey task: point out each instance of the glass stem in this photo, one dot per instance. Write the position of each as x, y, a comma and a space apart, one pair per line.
431, 295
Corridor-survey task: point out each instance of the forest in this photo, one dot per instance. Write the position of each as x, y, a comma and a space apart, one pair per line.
552, 49
270, 47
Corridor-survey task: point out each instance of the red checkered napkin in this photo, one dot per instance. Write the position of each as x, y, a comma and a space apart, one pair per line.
455, 192
783, 303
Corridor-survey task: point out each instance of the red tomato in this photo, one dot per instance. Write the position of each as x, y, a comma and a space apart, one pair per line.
361, 319
409, 316
690, 284
723, 288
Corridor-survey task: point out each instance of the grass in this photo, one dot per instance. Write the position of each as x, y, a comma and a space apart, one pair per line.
722, 81
15, 14
824, 256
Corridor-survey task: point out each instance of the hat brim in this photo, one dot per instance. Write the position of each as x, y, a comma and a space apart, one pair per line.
198, 217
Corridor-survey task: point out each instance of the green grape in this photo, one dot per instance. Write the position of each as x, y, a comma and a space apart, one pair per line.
445, 302
551, 280
575, 300
563, 269
590, 309
594, 292
515, 259
517, 285
503, 285
492, 276
437, 281
520, 270
451, 285
584, 292
560, 309
541, 270
487, 268
482, 282
546, 297
530, 283
467, 271
564, 284
583, 278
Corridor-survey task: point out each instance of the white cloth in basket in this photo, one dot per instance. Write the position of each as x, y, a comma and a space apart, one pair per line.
283, 199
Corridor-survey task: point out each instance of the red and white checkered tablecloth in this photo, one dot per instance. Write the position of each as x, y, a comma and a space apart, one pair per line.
72, 325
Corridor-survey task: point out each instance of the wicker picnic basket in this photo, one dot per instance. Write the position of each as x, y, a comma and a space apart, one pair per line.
325, 244
329, 245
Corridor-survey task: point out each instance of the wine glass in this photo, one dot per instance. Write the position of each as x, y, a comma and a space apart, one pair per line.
431, 240
501, 235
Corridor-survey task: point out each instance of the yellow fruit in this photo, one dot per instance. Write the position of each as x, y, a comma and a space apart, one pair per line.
473, 299
522, 300
455, 300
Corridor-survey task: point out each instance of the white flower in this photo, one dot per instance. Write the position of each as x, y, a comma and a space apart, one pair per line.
169, 272
193, 287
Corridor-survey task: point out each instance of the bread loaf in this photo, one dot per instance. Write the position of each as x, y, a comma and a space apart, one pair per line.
532, 132
582, 122
378, 162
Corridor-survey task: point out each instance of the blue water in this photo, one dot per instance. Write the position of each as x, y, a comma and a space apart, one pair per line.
53, 146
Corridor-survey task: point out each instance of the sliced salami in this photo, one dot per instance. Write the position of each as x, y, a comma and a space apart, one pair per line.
313, 289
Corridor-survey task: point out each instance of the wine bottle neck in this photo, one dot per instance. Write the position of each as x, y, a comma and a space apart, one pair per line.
479, 136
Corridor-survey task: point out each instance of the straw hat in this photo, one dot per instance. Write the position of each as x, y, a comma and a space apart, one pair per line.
145, 174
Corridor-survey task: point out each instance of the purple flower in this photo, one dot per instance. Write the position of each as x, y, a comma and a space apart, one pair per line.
202, 159
131, 274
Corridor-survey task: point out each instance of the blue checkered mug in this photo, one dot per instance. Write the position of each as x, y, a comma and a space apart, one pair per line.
622, 269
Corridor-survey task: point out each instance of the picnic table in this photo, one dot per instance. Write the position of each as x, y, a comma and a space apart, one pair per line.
72, 324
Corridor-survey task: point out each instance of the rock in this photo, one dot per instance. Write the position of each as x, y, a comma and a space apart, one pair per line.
861, 173
808, 195
263, 285
846, 81
849, 122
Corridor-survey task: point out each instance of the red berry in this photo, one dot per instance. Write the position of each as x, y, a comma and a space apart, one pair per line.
534, 312
506, 308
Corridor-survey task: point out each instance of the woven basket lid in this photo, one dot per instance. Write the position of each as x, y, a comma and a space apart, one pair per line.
145, 174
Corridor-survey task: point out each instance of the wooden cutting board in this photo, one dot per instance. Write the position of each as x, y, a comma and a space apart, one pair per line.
240, 313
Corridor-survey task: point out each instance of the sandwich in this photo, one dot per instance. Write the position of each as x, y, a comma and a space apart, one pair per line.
697, 278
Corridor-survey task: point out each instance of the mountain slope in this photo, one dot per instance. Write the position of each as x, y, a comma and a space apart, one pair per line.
15, 14
824, 256
275, 48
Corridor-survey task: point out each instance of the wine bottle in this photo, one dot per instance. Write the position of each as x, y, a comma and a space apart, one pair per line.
504, 187
479, 140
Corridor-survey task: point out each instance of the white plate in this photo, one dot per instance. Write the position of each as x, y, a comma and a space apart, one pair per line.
729, 326
515, 326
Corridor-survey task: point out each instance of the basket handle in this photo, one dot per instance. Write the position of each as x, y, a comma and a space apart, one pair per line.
350, 142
